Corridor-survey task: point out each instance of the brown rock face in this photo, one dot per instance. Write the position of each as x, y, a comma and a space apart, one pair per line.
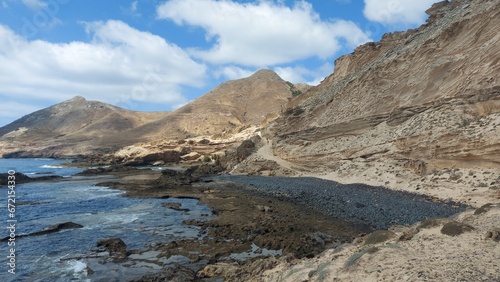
422, 99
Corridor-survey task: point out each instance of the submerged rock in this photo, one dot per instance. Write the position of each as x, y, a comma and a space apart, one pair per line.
51, 229
115, 247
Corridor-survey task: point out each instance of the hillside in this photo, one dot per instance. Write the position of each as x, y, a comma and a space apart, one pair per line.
417, 106
226, 108
80, 127
73, 127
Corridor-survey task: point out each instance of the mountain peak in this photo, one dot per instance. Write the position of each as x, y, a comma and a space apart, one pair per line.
77, 99
265, 73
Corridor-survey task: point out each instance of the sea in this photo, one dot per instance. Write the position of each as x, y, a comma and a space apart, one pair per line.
103, 212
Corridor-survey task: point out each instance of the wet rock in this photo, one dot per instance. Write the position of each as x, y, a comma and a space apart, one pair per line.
51, 229
104, 170
177, 274
115, 247
455, 228
173, 179
174, 206
23, 178
313, 244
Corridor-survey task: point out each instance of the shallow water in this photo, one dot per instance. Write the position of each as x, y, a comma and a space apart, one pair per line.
103, 212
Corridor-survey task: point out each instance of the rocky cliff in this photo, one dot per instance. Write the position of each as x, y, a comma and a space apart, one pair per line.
404, 108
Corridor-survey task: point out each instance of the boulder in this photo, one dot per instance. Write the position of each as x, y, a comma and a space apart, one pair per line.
455, 228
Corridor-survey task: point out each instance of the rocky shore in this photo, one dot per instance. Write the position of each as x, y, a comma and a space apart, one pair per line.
294, 218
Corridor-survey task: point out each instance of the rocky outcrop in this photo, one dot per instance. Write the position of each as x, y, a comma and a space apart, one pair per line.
415, 103
78, 127
115, 247
23, 178
51, 229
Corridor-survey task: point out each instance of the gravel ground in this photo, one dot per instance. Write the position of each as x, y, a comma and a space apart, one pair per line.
377, 207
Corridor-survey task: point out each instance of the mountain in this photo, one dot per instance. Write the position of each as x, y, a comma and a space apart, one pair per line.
70, 128
228, 107
80, 127
404, 108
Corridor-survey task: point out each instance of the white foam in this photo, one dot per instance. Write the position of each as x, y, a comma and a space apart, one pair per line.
51, 166
77, 266
123, 218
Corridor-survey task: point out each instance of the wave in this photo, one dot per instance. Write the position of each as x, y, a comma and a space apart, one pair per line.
51, 166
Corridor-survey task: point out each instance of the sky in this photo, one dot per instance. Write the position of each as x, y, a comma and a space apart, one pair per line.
157, 55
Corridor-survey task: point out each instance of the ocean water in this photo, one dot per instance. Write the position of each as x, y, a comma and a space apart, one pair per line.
103, 212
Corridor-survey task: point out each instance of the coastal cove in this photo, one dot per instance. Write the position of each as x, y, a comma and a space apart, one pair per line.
103, 213
218, 219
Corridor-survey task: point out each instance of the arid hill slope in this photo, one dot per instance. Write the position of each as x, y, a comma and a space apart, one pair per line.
225, 109
71, 128
81, 127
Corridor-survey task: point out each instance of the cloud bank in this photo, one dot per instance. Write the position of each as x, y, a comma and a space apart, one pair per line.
397, 12
120, 65
263, 33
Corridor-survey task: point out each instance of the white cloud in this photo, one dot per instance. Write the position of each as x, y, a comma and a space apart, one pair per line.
4, 4
233, 72
133, 6
34, 4
120, 64
10, 110
397, 12
300, 74
131, 10
262, 33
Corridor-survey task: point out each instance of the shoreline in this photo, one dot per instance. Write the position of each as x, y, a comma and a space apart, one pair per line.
244, 219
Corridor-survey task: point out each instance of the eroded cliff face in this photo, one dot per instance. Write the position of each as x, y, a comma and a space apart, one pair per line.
413, 103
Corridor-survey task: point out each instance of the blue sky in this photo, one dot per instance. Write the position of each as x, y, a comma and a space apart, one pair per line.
156, 55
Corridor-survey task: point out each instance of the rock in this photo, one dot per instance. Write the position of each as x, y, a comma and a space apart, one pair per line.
245, 149
177, 274
158, 163
313, 244
115, 247
51, 229
455, 228
432, 222
379, 236
106, 169
408, 234
174, 206
173, 179
484, 209
493, 234
22, 178
192, 156
170, 156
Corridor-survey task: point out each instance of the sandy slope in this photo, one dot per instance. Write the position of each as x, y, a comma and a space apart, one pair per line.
428, 256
